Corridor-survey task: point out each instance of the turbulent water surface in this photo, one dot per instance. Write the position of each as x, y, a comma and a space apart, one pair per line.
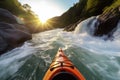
96, 58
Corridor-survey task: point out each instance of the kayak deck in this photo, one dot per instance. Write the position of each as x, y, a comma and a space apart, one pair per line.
62, 68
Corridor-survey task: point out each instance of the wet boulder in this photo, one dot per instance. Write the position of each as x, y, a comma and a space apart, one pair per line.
13, 36
6, 16
3, 45
108, 22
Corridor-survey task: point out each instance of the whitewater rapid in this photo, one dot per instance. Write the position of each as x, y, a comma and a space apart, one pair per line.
96, 58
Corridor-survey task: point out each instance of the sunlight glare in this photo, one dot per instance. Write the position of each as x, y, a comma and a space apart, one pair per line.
48, 11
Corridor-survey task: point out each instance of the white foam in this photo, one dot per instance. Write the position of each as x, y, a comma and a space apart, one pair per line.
87, 26
14, 59
101, 52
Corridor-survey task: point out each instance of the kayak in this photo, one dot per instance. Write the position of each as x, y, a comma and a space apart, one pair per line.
62, 68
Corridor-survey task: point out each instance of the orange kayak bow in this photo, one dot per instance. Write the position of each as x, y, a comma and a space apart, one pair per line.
62, 68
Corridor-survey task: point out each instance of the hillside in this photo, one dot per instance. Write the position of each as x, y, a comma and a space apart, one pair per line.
79, 12
83, 10
29, 18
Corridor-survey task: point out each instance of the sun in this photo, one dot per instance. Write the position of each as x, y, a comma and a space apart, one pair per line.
47, 10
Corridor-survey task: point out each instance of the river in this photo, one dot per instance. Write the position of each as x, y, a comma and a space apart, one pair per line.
96, 58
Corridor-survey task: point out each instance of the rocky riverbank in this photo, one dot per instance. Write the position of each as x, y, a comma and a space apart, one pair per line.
12, 33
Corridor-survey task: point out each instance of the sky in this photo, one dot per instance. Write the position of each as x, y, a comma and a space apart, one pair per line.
46, 9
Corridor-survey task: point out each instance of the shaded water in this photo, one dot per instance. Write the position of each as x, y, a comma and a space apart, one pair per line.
95, 58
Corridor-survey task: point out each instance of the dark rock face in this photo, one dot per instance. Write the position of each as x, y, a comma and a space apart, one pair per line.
3, 45
12, 34
108, 22
6, 16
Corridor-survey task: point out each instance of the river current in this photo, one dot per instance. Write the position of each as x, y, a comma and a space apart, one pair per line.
96, 58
